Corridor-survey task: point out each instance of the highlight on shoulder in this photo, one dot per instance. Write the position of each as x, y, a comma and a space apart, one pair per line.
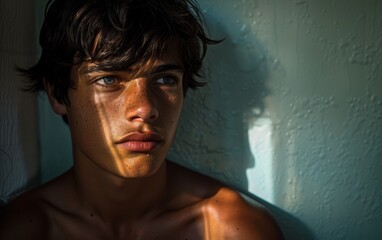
224, 212
230, 216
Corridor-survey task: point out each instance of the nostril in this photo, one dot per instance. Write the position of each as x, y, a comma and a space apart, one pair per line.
146, 113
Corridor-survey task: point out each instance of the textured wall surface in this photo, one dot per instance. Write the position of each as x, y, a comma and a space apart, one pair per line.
18, 121
315, 151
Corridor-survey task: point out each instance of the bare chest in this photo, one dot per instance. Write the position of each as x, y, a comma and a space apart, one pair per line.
175, 225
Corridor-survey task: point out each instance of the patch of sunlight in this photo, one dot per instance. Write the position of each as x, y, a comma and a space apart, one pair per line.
260, 177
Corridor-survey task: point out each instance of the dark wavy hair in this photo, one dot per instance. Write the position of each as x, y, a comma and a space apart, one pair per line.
117, 34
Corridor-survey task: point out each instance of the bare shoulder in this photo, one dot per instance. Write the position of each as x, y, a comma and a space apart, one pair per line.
225, 213
23, 218
29, 216
191, 183
232, 217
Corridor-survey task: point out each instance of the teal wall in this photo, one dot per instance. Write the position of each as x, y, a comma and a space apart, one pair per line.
292, 113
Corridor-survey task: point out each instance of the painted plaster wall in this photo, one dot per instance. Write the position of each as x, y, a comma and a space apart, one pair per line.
293, 112
18, 112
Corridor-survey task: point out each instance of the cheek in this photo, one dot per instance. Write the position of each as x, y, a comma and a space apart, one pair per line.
174, 109
85, 116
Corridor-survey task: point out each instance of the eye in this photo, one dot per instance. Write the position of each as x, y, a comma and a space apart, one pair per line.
107, 81
167, 80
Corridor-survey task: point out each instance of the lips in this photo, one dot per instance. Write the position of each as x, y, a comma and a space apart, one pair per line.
140, 142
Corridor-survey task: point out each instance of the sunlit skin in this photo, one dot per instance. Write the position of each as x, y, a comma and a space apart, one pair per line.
121, 123
121, 186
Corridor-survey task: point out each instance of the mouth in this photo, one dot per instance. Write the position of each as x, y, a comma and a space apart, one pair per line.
140, 142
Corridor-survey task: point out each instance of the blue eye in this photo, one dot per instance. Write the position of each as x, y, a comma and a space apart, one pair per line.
166, 80
107, 81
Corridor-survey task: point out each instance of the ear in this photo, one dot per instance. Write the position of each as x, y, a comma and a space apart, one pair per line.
59, 108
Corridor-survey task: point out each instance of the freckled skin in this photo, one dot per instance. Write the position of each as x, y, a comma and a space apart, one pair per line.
112, 192
103, 117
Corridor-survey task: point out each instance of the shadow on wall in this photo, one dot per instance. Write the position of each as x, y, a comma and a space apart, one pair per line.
291, 226
212, 136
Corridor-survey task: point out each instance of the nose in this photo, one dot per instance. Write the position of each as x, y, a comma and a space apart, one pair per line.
140, 102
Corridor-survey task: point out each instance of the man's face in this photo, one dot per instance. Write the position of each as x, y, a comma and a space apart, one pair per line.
126, 124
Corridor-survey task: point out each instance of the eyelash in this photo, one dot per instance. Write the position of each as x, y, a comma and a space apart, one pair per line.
174, 80
101, 81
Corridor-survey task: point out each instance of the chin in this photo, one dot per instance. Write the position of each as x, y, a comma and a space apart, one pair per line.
140, 167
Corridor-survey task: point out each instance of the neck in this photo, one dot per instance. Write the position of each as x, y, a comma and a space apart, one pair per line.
112, 197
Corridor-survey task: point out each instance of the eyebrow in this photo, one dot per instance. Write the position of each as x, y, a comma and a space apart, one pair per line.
166, 67
91, 69
154, 70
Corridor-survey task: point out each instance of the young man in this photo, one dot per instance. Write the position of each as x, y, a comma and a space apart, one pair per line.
117, 71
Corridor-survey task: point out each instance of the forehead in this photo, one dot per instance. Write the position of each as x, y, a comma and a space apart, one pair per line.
170, 55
